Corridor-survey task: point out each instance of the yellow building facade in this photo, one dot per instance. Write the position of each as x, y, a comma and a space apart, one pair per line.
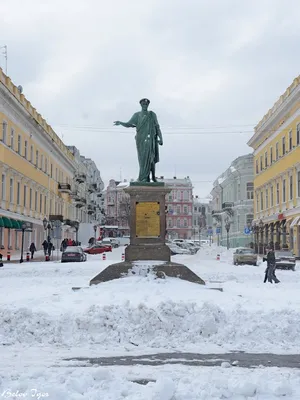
276, 145
36, 170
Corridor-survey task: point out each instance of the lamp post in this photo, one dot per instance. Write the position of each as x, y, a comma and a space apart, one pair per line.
227, 227
95, 230
261, 228
76, 226
47, 226
24, 226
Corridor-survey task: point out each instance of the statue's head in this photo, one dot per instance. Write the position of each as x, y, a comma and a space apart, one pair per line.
144, 104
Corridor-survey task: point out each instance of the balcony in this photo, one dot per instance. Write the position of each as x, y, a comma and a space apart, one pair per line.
80, 178
80, 202
91, 209
227, 205
64, 188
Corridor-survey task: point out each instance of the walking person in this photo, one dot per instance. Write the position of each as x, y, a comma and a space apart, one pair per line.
50, 248
32, 249
45, 246
271, 267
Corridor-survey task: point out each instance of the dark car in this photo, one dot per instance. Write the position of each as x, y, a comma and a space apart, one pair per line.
285, 260
98, 249
73, 254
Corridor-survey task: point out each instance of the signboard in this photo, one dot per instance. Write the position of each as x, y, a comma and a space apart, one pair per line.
57, 233
209, 232
247, 231
218, 231
147, 219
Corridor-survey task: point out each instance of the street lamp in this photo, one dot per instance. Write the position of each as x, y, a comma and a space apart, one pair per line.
261, 228
95, 230
23, 227
227, 227
47, 226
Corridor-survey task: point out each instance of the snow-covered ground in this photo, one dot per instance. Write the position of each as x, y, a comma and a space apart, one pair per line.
43, 321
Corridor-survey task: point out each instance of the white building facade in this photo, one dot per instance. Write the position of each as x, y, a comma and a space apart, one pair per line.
232, 202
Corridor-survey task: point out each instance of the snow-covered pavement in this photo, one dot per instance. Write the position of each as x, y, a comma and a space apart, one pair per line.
43, 321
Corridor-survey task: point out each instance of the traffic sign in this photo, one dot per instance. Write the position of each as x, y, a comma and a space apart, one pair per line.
247, 231
218, 231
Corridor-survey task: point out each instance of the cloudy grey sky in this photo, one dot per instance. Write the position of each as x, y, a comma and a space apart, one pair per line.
211, 69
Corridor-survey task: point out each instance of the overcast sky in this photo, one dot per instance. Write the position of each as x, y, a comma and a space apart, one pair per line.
209, 67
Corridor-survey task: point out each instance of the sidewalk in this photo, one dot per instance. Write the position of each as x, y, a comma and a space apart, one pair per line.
38, 258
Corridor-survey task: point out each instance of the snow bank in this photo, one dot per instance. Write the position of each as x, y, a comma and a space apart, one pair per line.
168, 325
169, 383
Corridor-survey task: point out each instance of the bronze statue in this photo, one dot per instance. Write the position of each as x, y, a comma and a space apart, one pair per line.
148, 137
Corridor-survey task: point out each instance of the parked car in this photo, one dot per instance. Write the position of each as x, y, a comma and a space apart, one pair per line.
98, 249
111, 241
187, 246
285, 260
176, 249
243, 255
73, 254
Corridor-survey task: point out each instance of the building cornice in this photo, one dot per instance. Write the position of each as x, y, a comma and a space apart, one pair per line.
280, 107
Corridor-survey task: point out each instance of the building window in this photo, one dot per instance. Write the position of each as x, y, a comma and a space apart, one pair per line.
283, 145
30, 199
261, 200
178, 209
290, 140
271, 155
298, 184
11, 190
249, 219
185, 223
3, 186
291, 187
267, 198
37, 158
185, 195
18, 193
283, 190
250, 189
56, 175
25, 149
261, 163
277, 193
19, 144
272, 195
257, 203
266, 159
170, 225
185, 209
178, 222
25, 195
35, 200
46, 165
45, 205
277, 151
256, 166
4, 132
31, 153
41, 203
51, 173
12, 139
298, 134
42, 162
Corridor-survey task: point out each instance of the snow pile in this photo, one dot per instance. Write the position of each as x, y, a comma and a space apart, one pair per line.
165, 383
163, 326
166, 325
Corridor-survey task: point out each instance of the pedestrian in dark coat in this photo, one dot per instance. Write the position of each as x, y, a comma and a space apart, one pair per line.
32, 249
50, 248
45, 246
271, 267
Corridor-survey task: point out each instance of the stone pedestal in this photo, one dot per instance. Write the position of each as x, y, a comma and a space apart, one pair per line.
147, 252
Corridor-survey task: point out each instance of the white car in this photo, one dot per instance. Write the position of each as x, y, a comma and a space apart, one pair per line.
112, 241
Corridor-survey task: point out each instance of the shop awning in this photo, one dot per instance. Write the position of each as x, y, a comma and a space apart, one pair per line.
294, 222
7, 222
